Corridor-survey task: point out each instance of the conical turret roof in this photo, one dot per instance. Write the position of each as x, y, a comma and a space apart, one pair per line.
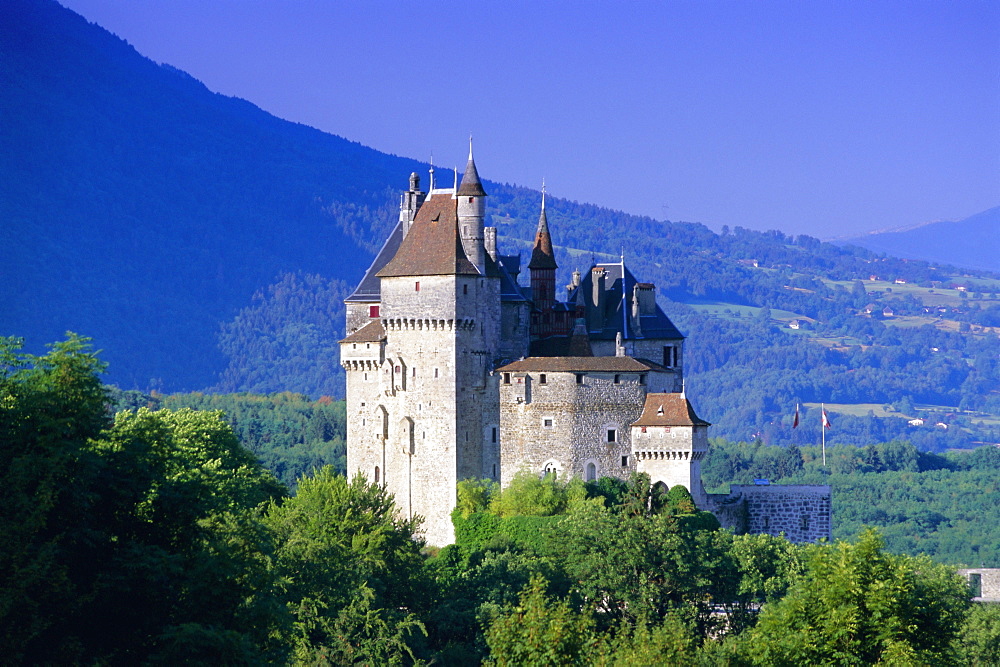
542, 256
471, 185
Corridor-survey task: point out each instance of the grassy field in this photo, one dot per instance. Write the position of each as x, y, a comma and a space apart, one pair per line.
859, 409
736, 311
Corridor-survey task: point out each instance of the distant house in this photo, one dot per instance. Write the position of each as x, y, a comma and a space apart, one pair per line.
916, 422
873, 277
942, 426
795, 324
900, 281
748, 262
887, 312
870, 308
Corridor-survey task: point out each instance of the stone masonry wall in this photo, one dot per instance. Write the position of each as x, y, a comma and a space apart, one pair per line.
989, 582
565, 426
801, 512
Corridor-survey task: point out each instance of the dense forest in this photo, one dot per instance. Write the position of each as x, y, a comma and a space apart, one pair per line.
206, 245
153, 536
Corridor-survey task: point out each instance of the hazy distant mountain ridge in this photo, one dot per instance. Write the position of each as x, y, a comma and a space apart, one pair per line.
972, 242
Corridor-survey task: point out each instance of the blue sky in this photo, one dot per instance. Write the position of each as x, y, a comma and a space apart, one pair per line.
825, 118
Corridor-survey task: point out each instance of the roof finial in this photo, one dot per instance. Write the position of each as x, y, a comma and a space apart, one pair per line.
470, 145
543, 193
456, 178
431, 189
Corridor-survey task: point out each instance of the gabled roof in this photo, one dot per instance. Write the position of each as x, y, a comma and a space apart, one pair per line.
372, 332
668, 410
370, 288
432, 247
509, 289
582, 365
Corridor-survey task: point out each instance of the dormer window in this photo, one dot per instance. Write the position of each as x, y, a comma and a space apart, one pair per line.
542, 378
416, 286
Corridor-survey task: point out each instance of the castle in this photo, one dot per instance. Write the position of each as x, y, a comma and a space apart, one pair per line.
456, 370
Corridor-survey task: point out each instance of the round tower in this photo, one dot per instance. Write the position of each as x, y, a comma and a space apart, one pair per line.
471, 214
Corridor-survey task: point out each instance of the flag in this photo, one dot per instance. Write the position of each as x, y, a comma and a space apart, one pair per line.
826, 420
795, 423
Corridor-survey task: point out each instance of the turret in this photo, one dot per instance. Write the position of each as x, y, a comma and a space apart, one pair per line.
543, 273
471, 214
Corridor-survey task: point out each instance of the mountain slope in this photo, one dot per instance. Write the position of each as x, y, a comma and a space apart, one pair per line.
143, 210
971, 242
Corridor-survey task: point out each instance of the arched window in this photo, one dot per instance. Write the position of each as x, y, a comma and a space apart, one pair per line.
377, 472
550, 468
591, 472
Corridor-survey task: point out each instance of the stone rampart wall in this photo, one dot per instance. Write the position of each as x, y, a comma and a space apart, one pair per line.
801, 512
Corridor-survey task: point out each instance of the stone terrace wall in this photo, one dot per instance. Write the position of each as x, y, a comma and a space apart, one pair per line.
801, 512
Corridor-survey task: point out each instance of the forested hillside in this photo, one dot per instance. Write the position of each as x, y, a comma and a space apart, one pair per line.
206, 245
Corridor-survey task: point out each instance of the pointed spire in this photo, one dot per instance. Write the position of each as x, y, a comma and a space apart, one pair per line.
471, 185
456, 178
542, 256
431, 188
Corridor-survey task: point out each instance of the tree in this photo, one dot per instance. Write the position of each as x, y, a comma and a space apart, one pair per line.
979, 642
857, 605
121, 541
344, 554
50, 408
541, 631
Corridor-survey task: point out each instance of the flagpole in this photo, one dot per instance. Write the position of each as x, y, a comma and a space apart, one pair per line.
822, 427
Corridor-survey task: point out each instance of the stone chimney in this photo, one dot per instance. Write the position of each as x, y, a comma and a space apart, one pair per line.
490, 240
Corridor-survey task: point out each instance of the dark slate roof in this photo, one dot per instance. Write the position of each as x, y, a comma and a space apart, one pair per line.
617, 314
668, 410
372, 332
512, 263
542, 256
471, 185
509, 289
582, 365
433, 246
370, 287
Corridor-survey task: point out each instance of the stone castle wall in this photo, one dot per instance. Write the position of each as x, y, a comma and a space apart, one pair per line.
802, 512
566, 425
672, 455
421, 406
